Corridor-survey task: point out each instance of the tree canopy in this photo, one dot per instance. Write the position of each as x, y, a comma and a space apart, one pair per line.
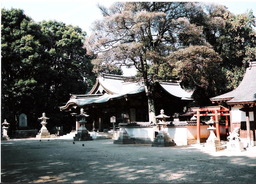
164, 39
42, 63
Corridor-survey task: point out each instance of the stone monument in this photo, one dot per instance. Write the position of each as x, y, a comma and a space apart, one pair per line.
82, 133
163, 138
23, 120
234, 143
212, 143
43, 133
5, 127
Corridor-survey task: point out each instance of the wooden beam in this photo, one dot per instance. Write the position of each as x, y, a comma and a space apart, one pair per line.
217, 125
248, 128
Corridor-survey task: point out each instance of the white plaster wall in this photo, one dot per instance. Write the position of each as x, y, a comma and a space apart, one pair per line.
141, 133
238, 115
179, 135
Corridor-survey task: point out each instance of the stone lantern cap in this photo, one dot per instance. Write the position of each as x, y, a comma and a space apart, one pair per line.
5, 123
210, 122
43, 118
82, 113
162, 116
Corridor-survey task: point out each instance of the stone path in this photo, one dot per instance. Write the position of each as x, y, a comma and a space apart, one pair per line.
101, 161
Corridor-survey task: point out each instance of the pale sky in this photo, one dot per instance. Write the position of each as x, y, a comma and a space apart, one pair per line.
83, 13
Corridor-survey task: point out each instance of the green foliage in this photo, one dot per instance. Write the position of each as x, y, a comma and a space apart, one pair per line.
198, 67
144, 34
42, 63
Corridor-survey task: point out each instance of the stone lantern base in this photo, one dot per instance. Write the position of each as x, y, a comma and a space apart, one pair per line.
163, 140
44, 133
82, 135
213, 145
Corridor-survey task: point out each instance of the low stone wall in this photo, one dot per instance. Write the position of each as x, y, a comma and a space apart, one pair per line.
25, 133
146, 135
181, 134
141, 132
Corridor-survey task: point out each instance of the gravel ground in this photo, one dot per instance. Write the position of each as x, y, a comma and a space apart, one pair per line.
101, 161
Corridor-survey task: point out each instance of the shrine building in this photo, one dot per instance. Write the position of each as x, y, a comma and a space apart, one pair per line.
117, 99
242, 102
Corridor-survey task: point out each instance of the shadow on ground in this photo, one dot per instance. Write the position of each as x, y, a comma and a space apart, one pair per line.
101, 161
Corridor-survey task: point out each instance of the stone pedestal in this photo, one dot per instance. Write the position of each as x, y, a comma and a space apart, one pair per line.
235, 146
163, 139
43, 133
82, 134
123, 138
234, 143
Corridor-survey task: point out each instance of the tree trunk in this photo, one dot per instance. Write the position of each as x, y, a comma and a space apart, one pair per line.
151, 105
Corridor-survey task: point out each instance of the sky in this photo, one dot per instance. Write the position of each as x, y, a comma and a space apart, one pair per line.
83, 13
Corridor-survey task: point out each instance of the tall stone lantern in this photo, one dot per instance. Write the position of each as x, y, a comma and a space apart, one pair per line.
5, 127
82, 132
43, 133
163, 138
212, 143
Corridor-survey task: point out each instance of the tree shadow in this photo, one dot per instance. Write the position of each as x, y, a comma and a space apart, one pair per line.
103, 162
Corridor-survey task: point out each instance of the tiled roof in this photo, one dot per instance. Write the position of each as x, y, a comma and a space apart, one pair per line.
245, 92
113, 87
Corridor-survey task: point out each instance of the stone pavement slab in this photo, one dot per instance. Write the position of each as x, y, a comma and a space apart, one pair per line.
101, 161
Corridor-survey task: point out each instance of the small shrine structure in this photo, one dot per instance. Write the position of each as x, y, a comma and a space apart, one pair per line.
242, 102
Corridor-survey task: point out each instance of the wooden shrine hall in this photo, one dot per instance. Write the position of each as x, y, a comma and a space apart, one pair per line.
126, 100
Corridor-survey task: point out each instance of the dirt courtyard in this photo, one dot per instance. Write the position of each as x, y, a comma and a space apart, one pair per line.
101, 161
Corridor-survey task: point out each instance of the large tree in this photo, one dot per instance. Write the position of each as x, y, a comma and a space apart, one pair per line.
141, 34
144, 34
42, 63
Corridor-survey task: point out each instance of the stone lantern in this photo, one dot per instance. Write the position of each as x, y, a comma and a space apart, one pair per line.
5, 127
163, 138
212, 143
162, 120
82, 132
43, 133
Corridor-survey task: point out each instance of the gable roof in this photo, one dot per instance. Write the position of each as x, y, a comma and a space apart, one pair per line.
109, 87
245, 93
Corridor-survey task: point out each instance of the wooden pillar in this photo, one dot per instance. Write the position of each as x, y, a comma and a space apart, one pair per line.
198, 126
248, 127
226, 125
100, 125
217, 124
254, 126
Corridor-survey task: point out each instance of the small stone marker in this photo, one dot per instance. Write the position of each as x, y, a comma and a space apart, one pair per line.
23, 120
